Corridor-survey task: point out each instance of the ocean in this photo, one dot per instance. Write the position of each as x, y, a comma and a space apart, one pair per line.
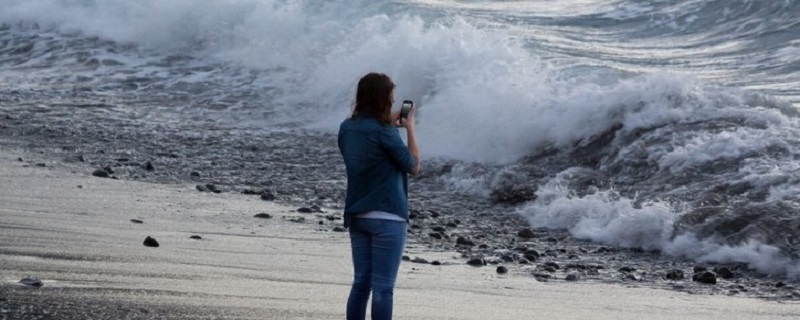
664, 125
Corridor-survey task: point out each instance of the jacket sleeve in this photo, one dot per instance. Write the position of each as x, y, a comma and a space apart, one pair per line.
397, 150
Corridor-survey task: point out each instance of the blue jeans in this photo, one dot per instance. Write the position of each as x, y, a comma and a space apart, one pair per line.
377, 246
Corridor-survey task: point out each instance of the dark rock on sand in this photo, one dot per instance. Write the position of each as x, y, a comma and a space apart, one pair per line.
674, 275
213, 188
550, 269
101, 173
305, 210
780, 284
137, 221
464, 242
196, 237
526, 233
339, 229
419, 260
263, 215
436, 263
32, 282
20, 160
476, 262
572, 277
150, 242
532, 255
195, 174
552, 264
267, 196
108, 169
149, 166
724, 272
502, 270
627, 269
698, 269
406, 258
705, 277
202, 188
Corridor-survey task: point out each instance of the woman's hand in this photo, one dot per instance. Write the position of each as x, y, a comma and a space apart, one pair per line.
408, 121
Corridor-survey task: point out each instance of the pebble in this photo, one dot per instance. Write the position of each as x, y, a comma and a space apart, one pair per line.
150, 242
572, 277
526, 233
502, 270
305, 210
100, 173
419, 260
724, 272
137, 221
674, 275
263, 215
705, 277
149, 166
476, 262
202, 188
267, 196
108, 169
32, 282
196, 237
339, 229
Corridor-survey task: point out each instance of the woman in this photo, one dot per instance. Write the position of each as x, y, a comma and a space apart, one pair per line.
376, 205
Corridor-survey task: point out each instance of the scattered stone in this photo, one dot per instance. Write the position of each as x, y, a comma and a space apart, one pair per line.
406, 258
627, 269
196, 237
20, 160
436, 263
705, 277
339, 229
298, 219
780, 284
526, 233
101, 173
435, 235
305, 210
119, 159
150, 242
542, 277
195, 174
267, 196
532, 255
202, 188
502, 270
108, 169
80, 186
149, 166
32, 282
464, 242
674, 275
550, 269
476, 262
137, 221
213, 188
263, 215
698, 269
553, 265
724, 272
81, 158
572, 277
419, 260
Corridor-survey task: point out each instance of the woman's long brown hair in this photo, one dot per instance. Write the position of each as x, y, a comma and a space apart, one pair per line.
374, 98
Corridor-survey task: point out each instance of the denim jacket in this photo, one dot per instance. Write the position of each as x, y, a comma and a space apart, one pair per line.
378, 163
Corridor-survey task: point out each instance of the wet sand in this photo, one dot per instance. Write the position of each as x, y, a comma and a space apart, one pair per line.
74, 232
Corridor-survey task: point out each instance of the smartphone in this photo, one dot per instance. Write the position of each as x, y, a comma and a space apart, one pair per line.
405, 109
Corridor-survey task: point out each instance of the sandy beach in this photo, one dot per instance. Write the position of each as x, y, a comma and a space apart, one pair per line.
83, 237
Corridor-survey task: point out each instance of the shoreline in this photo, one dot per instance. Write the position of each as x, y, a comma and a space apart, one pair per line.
81, 242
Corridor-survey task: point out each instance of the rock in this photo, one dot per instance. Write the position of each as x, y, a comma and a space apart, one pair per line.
196, 237
419, 260
464, 242
195, 174
305, 210
698, 269
202, 188
550, 269
213, 188
20, 160
780, 284
572, 277
339, 229
705, 277
81, 158
406, 258
436, 263
553, 265
137, 221
531, 255
267, 196
502, 270
438, 229
627, 269
526, 233
101, 173
476, 262
435, 235
263, 215
674, 275
149, 166
32, 282
150, 242
108, 169
724, 272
